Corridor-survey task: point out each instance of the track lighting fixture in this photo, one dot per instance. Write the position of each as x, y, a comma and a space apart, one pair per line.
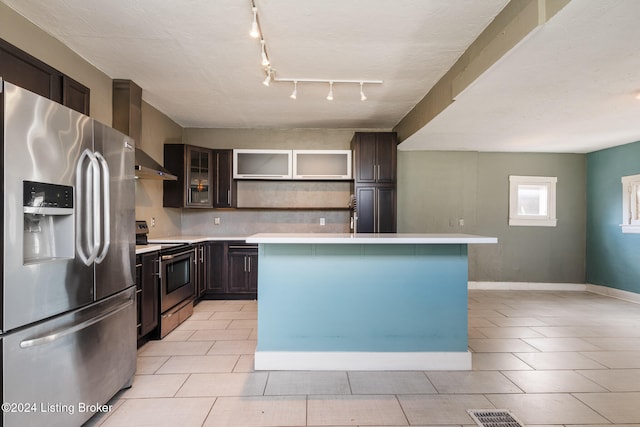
255, 32
330, 94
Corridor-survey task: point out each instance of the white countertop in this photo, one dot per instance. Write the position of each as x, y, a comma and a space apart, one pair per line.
366, 238
196, 239
143, 249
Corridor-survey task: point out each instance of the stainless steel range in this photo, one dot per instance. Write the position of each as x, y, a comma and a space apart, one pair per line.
177, 263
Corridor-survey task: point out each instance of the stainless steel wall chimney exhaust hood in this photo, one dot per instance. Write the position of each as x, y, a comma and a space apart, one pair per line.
148, 168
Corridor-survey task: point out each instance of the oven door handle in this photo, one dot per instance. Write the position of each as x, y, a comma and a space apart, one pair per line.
170, 257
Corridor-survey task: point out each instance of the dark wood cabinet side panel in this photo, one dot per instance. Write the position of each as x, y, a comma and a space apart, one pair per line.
173, 192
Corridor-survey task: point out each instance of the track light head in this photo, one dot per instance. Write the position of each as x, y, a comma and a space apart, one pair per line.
294, 94
267, 80
330, 94
255, 31
362, 96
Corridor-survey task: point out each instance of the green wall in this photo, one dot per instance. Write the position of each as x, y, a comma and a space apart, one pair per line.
436, 189
613, 258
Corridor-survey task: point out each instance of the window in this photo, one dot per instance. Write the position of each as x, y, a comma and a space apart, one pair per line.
631, 204
532, 201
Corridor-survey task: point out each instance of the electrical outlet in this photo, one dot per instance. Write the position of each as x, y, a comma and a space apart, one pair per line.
153, 221
322, 221
461, 222
216, 221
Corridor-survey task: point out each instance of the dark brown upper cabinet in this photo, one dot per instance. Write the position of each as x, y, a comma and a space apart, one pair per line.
194, 168
28, 72
375, 157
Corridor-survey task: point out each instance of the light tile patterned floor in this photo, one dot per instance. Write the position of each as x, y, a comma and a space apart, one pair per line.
552, 358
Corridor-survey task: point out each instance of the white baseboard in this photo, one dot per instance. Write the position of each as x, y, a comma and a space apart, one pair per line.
361, 361
614, 293
528, 286
534, 286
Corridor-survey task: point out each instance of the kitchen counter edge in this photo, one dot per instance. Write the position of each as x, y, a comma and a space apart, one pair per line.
369, 238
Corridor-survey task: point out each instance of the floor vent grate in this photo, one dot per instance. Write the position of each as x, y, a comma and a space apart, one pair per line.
494, 418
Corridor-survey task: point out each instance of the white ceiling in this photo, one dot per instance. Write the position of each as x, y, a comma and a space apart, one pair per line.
569, 87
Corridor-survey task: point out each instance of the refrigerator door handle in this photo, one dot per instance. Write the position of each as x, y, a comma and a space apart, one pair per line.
105, 224
87, 250
73, 329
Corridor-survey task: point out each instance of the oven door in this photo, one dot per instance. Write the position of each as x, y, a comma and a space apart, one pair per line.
176, 278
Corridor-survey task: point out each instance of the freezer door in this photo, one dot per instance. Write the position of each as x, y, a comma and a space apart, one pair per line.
42, 142
67, 363
115, 262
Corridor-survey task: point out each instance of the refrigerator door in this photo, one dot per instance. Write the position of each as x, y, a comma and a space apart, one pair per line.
42, 142
57, 366
115, 262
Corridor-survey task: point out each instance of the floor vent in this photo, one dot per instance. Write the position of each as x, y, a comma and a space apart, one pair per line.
494, 418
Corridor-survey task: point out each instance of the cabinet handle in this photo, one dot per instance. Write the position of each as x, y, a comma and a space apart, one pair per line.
249, 264
245, 263
228, 197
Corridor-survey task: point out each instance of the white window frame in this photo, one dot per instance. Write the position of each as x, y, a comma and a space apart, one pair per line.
518, 219
630, 200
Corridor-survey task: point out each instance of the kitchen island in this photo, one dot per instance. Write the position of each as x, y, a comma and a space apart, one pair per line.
363, 301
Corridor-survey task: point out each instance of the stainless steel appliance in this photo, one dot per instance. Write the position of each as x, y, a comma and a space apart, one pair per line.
68, 296
177, 279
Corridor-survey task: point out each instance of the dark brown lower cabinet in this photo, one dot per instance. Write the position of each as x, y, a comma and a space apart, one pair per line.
243, 269
201, 271
147, 293
376, 209
233, 270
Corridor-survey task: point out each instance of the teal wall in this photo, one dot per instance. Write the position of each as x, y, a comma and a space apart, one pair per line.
438, 188
613, 258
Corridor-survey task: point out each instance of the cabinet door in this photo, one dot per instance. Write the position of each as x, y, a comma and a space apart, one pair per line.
75, 95
149, 296
364, 148
386, 209
376, 209
366, 209
238, 272
199, 177
22, 69
224, 195
217, 271
386, 152
252, 273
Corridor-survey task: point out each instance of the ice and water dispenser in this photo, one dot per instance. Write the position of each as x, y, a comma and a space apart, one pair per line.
48, 222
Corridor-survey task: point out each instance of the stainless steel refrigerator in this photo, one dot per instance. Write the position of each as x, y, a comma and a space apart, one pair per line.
68, 322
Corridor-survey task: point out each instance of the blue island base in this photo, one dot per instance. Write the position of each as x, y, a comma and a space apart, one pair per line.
362, 307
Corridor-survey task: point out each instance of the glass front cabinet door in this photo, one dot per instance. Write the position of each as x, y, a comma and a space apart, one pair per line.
199, 177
